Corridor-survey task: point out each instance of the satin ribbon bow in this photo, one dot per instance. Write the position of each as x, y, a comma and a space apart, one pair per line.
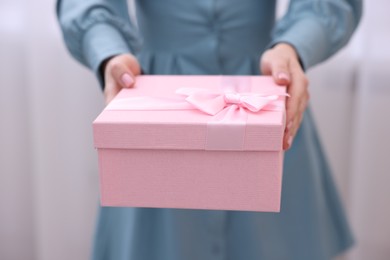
212, 102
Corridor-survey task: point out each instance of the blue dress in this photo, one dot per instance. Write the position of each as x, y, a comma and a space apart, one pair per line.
220, 37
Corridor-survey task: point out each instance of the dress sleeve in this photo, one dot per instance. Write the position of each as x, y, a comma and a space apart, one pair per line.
95, 30
317, 28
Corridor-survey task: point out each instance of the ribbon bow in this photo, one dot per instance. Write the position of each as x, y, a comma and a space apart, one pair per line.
212, 102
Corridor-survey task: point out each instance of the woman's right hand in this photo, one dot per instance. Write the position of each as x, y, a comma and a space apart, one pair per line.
119, 72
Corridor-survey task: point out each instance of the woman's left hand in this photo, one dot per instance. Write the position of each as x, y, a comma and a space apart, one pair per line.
282, 63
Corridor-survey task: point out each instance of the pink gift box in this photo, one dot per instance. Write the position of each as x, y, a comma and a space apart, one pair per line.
158, 148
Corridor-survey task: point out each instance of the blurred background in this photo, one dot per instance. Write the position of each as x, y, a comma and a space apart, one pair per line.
48, 166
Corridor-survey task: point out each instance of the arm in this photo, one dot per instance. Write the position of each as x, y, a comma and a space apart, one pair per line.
310, 32
318, 28
95, 30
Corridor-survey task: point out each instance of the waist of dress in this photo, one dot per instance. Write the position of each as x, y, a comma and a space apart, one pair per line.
204, 42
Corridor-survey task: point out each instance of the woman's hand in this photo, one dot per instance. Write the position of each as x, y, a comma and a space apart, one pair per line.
282, 63
119, 72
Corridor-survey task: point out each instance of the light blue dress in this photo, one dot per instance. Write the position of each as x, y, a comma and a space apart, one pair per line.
220, 37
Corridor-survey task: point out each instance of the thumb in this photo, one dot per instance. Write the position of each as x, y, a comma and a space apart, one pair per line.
280, 71
122, 75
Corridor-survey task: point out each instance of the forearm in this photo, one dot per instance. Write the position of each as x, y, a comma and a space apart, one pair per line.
317, 28
95, 30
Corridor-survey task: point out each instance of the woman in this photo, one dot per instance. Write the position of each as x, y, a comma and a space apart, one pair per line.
221, 37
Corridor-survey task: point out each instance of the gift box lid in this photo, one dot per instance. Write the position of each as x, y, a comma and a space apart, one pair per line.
152, 115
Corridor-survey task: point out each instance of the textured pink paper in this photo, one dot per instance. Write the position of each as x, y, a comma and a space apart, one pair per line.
158, 158
248, 181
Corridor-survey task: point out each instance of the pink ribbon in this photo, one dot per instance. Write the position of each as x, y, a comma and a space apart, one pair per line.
229, 108
213, 102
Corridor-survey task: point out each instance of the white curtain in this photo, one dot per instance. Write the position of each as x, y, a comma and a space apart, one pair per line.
48, 168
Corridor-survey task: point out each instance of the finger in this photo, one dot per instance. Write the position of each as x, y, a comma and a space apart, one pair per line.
294, 125
301, 113
287, 139
110, 91
277, 66
297, 119
280, 71
122, 75
265, 64
134, 65
292, 106
296, 104
297, 90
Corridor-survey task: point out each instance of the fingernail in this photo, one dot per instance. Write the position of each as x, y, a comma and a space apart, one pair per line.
127, 80
289, 141
289, 125
283, 76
